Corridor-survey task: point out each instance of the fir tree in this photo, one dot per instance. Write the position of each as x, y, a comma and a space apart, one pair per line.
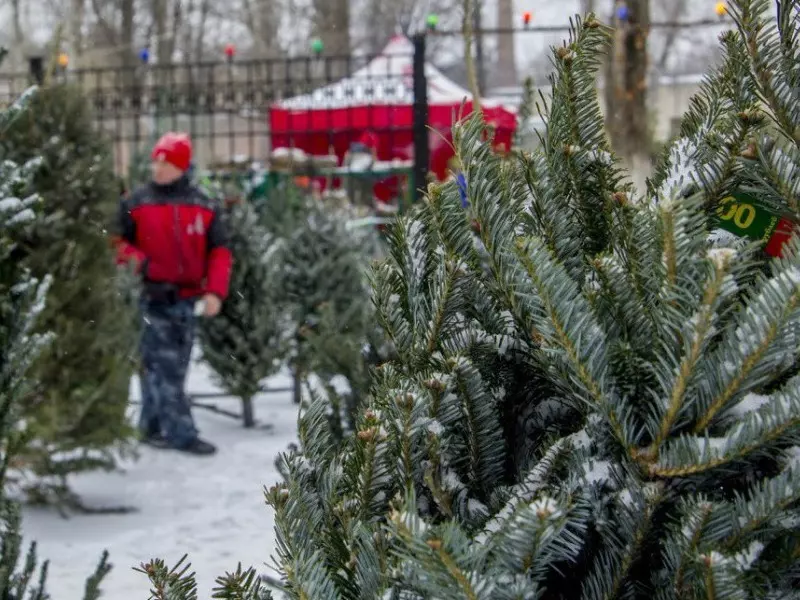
527, 109
344, 358
613, 409
247, 341
22, 299
77, 410
322, 272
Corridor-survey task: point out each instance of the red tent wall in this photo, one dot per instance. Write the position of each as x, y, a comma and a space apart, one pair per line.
316, 131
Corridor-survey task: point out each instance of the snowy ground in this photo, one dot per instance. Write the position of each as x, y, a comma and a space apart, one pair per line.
211, 508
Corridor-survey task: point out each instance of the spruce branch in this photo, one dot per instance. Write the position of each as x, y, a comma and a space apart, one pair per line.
686, 539
776, 180
242, 584
760, 514
758, 345
372, 472
696, 334
721, 578
482, 432
299, 519
445, 553
567, 324
631, 519
774, 424
176, 583
723, 117
92, 589
773, 57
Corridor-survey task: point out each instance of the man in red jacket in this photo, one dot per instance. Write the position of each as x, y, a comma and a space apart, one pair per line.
173, 234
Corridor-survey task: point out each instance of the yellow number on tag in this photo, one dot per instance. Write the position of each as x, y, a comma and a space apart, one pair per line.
727, 216
745, 215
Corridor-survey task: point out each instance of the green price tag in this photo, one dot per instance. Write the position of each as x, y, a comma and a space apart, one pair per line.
742, 215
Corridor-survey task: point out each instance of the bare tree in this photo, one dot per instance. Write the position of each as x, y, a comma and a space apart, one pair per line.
472, 76
672, 11
16, 18
331, 23
262, 18
506, 72
76, 21
626, 83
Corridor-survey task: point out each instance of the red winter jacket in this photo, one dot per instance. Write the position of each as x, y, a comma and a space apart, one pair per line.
174, 234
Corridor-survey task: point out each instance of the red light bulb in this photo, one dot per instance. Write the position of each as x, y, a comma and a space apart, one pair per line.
230, 50
526, 18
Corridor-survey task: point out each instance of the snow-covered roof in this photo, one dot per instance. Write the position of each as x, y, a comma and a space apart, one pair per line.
386, 79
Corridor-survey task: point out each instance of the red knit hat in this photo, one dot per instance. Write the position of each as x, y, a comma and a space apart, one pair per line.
174, 148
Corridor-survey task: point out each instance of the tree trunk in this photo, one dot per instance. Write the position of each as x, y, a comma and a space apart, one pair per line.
248, 417
469, 60
160, 17
16, 17
626, 84
77, 18
674, 11
506, 72
127, 32
297, 375
199, 50
331, 24
477, 29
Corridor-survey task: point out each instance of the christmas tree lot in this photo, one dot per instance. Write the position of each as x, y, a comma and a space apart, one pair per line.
597, 398
76, 411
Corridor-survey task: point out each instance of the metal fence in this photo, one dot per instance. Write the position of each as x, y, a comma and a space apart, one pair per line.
231, 108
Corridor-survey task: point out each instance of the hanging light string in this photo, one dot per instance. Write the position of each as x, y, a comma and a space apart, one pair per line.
316, 45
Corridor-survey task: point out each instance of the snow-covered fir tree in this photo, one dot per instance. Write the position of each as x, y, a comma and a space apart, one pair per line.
613, 410
77, 409
22, 299
248, 341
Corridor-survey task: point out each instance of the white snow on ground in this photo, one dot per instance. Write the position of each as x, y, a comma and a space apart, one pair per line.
211, 508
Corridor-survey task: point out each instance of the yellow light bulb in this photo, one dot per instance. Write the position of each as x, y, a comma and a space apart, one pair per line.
721, 9
63, 60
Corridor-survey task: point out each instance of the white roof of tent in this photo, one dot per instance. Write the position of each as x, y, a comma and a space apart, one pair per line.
387, 79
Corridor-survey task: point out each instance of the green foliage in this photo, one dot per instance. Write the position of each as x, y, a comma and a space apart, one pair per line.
20, 306
76, 411
139, 169
178, 583
324, 285
247, 342
527, 109
22, 300
343, 354
647, 372
280, 204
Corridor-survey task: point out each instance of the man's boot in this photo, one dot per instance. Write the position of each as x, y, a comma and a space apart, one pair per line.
199, 447
155, 440
152, 436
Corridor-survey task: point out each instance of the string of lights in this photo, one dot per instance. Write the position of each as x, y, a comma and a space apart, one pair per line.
564, 29
432, 28
621, 14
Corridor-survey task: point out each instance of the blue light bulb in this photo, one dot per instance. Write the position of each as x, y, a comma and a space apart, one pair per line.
622, 12
144, 55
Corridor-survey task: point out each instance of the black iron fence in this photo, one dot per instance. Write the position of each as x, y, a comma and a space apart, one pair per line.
241, 110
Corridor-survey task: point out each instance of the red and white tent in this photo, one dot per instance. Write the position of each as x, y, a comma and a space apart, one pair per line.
378, 99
